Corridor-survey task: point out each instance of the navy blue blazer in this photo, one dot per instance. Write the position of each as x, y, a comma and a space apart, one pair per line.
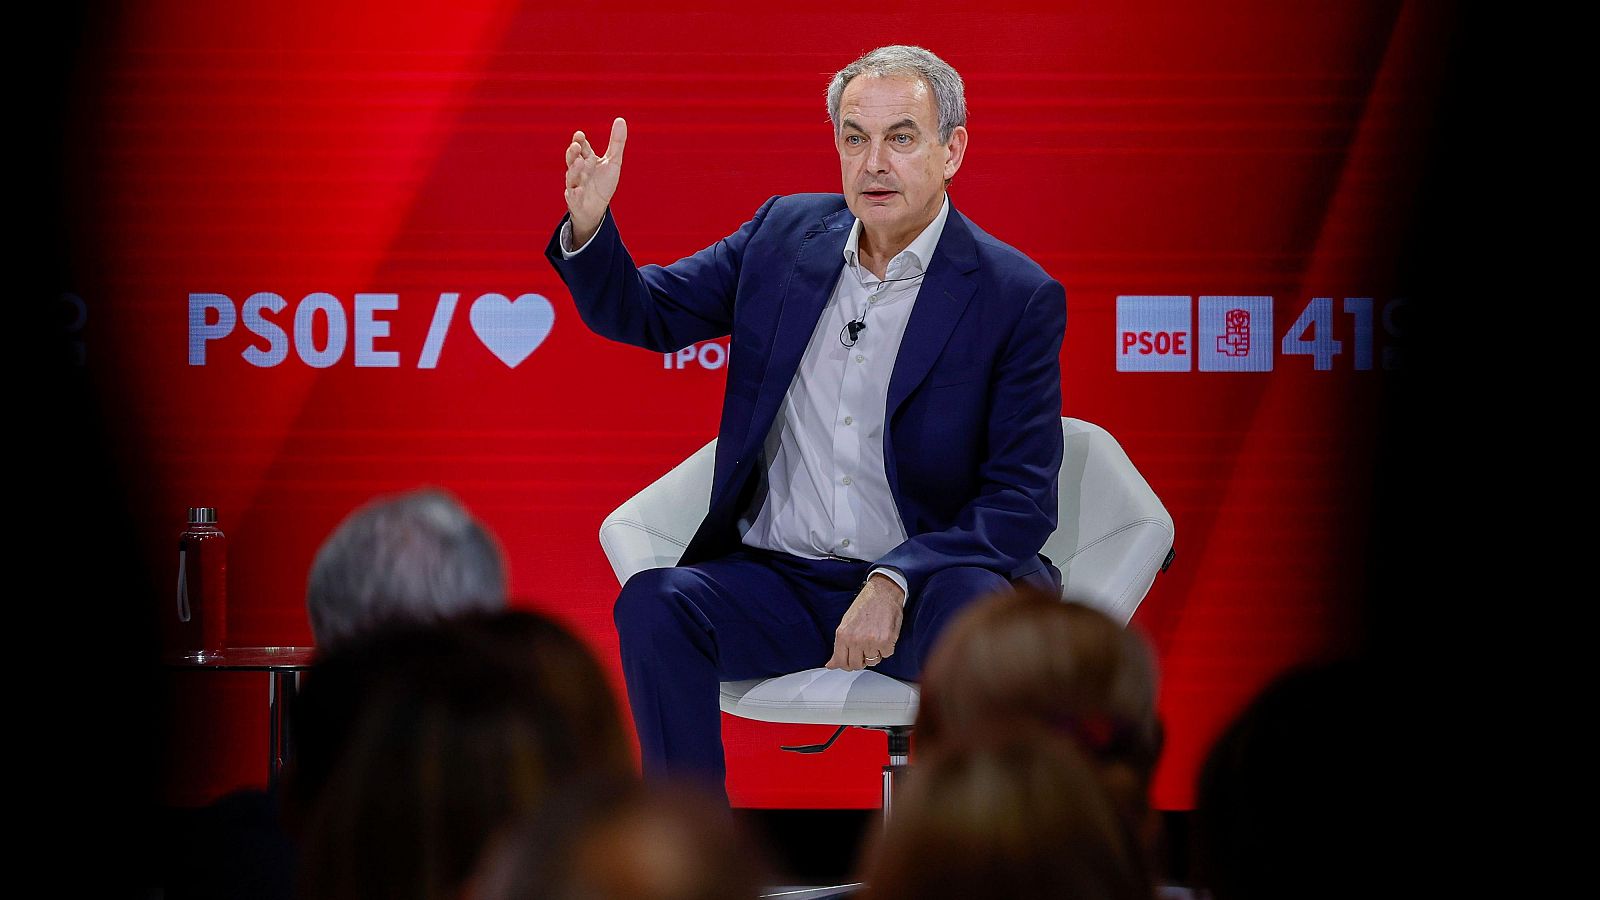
973, 443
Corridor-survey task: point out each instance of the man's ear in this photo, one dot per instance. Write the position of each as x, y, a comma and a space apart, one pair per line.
957, 148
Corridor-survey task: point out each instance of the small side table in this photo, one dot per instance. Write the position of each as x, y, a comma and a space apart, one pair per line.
283, 666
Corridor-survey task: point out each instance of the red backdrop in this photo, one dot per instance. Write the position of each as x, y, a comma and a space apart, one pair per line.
1193, 151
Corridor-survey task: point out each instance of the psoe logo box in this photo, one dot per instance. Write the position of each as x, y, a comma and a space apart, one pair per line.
1154, 334
1236, 334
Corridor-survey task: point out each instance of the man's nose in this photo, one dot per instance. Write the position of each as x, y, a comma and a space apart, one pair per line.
877, 157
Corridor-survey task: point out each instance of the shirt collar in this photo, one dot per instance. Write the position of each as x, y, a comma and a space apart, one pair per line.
921, 247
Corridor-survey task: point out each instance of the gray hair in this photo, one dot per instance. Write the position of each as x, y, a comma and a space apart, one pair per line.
416, 556
949, 94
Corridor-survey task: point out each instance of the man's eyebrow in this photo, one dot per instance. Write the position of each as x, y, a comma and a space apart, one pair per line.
907, 123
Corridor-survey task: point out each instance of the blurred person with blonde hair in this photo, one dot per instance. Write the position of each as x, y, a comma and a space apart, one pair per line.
1019, 814
623, 840
1027, 659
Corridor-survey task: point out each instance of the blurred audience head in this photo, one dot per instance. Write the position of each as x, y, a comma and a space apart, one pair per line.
1286, 806
417, 556
621, 840
1021, 816
416, 741
1027, 659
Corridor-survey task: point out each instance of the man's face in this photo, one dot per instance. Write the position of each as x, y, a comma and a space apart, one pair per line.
893, 165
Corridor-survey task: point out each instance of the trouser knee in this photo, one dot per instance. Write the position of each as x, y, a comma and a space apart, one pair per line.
646, 603
942, 599
958, 586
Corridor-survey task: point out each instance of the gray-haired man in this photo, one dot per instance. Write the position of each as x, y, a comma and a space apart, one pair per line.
415, 556
891, 436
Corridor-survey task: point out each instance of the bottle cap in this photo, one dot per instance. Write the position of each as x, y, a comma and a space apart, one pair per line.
202, 515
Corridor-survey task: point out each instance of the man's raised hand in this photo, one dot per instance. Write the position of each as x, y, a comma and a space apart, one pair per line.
592, 180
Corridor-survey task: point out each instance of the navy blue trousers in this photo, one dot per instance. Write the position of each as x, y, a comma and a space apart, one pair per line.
752, 614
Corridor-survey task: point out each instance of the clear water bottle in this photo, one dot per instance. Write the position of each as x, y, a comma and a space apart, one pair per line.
202, 602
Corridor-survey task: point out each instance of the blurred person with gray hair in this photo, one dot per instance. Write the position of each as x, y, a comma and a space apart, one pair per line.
417, 556
408, 560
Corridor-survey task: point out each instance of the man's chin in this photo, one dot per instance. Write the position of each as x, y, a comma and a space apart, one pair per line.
876, 213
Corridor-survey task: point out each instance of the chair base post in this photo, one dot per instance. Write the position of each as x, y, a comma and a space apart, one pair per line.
899, 762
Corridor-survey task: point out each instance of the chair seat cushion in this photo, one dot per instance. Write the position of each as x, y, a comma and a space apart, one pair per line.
823, 697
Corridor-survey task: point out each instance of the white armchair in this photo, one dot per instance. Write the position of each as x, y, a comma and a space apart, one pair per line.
1113, 538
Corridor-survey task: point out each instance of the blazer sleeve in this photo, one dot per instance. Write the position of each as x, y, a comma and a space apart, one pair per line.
1004, 527
661, 308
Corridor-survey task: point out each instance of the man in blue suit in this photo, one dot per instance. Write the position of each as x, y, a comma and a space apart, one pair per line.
890, 437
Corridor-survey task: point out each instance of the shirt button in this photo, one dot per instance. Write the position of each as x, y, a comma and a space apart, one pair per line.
845, 542
848, 420
860, 358
847, 479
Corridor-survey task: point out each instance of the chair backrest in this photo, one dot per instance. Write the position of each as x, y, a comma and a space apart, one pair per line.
1112, 540
1112, 533
653, 527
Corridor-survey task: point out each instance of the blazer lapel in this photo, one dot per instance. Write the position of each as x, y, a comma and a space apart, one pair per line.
816, 270
946, 291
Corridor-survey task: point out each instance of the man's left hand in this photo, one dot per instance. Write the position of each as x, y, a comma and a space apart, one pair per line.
866, 634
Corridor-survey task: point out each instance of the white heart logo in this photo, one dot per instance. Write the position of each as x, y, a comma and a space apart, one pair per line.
512, 329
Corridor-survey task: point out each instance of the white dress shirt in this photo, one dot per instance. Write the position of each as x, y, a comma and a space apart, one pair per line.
825, 492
